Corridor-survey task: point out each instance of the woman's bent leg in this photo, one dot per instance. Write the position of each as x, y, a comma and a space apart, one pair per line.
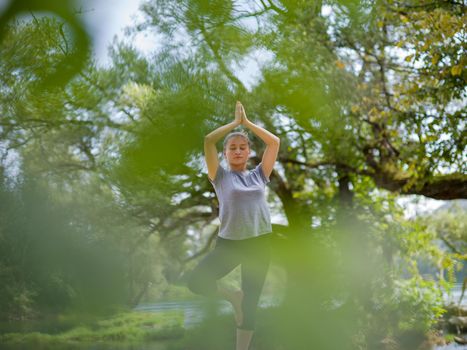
219, 262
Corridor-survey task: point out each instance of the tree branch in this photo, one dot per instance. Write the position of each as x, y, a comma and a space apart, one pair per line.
219, 59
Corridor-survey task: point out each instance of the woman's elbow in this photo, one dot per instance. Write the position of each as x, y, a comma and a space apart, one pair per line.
208, 139
274, 142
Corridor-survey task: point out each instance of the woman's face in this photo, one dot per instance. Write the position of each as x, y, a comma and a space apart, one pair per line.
237, 150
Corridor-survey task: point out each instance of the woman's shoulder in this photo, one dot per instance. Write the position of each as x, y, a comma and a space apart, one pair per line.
259, 173
220, 173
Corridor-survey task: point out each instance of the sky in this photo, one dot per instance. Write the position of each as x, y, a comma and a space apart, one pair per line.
107, 19
104, 19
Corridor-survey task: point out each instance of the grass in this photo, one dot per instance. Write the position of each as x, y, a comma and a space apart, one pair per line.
127, 327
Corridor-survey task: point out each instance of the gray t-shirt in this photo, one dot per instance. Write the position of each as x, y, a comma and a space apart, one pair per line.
243, 210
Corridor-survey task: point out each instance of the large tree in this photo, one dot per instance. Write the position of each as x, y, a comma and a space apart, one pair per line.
369, 89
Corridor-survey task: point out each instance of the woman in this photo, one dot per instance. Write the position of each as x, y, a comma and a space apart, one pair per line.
245, 229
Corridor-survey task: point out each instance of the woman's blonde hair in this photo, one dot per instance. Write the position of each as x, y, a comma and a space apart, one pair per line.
236, 134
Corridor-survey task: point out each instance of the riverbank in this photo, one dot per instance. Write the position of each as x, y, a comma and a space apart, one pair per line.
131, 329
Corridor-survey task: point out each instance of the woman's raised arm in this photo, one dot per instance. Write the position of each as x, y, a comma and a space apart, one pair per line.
272, 144
210, 140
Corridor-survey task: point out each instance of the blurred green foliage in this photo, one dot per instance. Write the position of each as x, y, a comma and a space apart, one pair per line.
51, 259
74, 56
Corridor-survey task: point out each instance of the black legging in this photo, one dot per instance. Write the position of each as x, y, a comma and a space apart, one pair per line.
252, 253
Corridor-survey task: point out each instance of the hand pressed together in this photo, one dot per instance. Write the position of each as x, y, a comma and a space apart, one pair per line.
240, 115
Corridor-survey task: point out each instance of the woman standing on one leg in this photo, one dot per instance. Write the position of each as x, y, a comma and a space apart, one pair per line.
244, 233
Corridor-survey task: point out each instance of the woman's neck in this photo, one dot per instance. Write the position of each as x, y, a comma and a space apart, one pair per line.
239, 168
